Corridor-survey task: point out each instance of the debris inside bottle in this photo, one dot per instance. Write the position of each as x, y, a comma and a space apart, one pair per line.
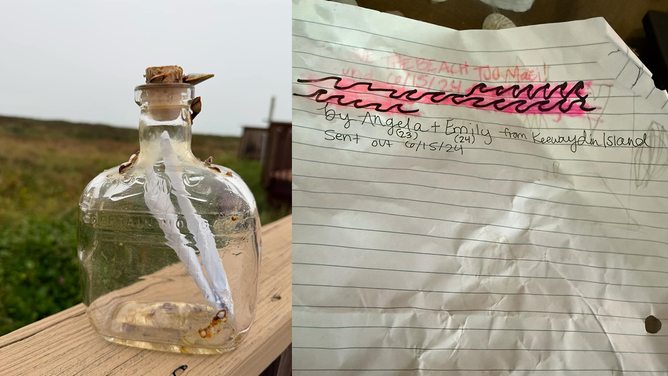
213, 328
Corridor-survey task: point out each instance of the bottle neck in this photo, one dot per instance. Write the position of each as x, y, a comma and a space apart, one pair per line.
154, 123
165, 113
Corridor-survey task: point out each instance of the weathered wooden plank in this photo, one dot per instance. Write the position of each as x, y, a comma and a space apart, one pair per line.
66, 344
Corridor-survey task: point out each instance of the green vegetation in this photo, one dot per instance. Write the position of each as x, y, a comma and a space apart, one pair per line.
44, 167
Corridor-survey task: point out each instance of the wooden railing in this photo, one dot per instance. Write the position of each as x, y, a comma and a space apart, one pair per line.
66, 344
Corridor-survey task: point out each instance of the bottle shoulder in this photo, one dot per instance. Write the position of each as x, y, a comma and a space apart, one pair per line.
210, 188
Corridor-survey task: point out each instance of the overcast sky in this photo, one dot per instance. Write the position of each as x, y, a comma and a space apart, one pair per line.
80, 60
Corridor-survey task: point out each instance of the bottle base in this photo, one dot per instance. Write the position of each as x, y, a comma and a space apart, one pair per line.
169, 326
175, 348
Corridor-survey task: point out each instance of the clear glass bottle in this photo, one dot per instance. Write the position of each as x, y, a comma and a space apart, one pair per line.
169, 246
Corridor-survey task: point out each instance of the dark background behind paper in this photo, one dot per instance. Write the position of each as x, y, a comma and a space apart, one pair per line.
625, 16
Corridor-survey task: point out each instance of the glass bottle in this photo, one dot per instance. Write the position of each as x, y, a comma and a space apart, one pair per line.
169, 246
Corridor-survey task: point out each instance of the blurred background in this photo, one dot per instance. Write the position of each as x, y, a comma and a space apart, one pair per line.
67, 113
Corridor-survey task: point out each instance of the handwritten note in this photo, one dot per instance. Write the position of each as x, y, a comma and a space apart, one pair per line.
475, 202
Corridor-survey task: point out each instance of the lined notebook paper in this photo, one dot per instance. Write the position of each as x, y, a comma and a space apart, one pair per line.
475, 202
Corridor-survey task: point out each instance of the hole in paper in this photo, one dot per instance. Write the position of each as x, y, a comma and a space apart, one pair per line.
652, 324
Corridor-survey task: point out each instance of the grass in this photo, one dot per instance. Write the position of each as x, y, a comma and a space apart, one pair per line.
44, 167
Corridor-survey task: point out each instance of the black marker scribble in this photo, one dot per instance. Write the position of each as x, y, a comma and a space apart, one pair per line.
317, 95
519, 105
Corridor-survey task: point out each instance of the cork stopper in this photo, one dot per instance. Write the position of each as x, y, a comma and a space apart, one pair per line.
168, 90
165, 94
168, 74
